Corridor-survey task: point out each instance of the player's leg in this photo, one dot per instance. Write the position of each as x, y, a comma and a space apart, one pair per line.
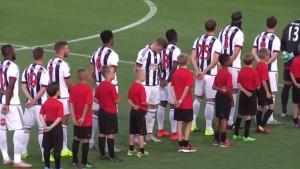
95, 109
65, 151
163, 94
29, 121
178, 118
247, 129
3, 140
296, 101
47, 148
188, 119
242, 108
57, 142
273, 83
173, 123
75, 145
141, 131
132, 132
85, 135
216, 141
210, 104
234, 73
199, 92
102, 137
285, 92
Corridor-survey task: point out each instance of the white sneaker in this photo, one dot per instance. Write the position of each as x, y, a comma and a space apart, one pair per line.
22, 164
283, 115
274, 121
115, 149
151, 137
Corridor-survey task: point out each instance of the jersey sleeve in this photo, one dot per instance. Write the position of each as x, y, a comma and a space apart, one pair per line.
239, 39
177, 52
140, 58
13, 71
293, 67
254, 43
143, 95
276, 45
264, 72
96, 95
114, 59
195, 44
283, 40
239, 77
23, 80
66, 70
45, 79
92, 61
217, 47
71, 99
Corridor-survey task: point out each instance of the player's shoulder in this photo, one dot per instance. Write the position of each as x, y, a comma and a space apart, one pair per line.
144, 50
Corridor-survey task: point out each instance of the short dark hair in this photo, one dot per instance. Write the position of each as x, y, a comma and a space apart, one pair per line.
271, 22
59, 45
223, 59
162, 42
106, 69
5, 49
248, 59
52, 89
106, 36
236, 19
210, 25
171, 35
38, 53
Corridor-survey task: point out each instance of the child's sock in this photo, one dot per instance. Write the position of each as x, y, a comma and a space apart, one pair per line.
142, 150
102, 145
75, 148
131, 147
295, 120
217, 135
110, 146
267, 115
247, 128
223, 137
85, 152
237, 125
258, 118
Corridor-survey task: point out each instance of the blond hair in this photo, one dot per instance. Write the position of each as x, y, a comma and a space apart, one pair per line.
263, 52
183, 59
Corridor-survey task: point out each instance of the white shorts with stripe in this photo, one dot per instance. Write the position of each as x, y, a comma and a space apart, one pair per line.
152, 93
32, 116
165, 94
273, 76
66, 104
204, 86
234, 72
13, 119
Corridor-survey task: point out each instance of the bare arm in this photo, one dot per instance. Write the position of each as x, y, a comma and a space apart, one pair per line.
273, 58
92, 75
96, 100
117, 100
244, 90
175, 65
254, 50
212, 64
294, 80
42, 118
82, 118
185, 92
69, 82
25, 91
265, 86
72, 111
36, 98
235, 53
194, 60
10, 89
55, 123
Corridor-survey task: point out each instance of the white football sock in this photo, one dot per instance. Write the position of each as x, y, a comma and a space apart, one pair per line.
18, 145
26, 138
209, 115
150, 120
160, 117
40, 139
232, 111
94, 128
271, 118
65, 138
196, 108
3, 145
172, 121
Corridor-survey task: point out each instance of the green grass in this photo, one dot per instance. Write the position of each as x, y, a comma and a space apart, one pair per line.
33, 22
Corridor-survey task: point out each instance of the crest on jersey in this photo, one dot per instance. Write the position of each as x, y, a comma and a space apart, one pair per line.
153, 67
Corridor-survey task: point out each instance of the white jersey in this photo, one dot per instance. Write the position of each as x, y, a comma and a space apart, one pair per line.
104, 56
59, 70
206, 47
231, 37
35, 76
9, 69
270, 41
150, 61
170, 55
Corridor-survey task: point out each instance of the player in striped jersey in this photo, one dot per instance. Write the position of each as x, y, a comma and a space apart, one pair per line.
11, 111
205, 56
269, 40
168, 66
232, 39
150, 58
59, 71
103, 56
35, 79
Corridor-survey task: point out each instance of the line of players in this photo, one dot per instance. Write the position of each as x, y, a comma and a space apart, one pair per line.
159, 61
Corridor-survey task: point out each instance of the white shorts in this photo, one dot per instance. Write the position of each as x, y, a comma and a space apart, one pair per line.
165, 94
66, 105
32, 115
13, 119
234, 72
152, 93
204, 86
273, 76
95, 105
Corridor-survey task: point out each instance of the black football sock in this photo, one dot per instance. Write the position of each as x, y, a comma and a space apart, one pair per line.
47, 158
285, 97
185, 143
223, 137
258, 117
57, 158
131, 147
295, 120
267, 115
75, 147
142, 150
217, 135
247, 128
85, 152
237, 125
111, 146
102, 145
180, 143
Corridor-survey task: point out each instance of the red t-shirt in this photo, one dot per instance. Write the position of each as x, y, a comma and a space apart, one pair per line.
223, 79
137, 94
249, 78
182, 78
106, 93
80, 95
52, 109
262, 70
295, 68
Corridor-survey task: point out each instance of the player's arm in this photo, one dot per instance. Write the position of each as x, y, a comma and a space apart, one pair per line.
25, 91
174, 95
212, 64
72, 111
82, 118
244, 90
185, 92
230, 94
9, 94
254, 50
42, 118
175, 65
55, 123
221, 89
68, 82
92, 75
235, 53
194, 60
273, 57
37, 97
96, 100
265, 86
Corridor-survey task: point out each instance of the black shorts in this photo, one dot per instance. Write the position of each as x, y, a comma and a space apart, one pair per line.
296, 93
108, 122
286, 75
185, 115
262, 96
83, 132
222, 105
137, 122
247, 105
53, 138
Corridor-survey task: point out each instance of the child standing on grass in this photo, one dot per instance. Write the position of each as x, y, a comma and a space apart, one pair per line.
248, 81
107, 97
51, 114
137, 122
81, 100
224, 101
295, 75
182, 83
264, 93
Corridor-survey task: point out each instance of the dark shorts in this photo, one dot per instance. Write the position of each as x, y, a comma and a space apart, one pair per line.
247, 105
222, 104
83, 132
262, 96
296, 93
137, 122
108, 122
185, 115
53, 138
286, 75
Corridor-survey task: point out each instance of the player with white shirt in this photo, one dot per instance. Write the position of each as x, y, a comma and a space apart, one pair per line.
11, 111
149, 58
232, 39
59, 71
35, 79
269, 40
205, 56
168, 66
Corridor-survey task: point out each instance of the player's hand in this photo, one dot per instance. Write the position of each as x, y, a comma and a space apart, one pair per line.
248, 94
269, 96
163, 83
80, 121
297, 85
223, 89
47, 129
74, 121
178, 103
198, 75
30, 104
5, 109
135, 107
